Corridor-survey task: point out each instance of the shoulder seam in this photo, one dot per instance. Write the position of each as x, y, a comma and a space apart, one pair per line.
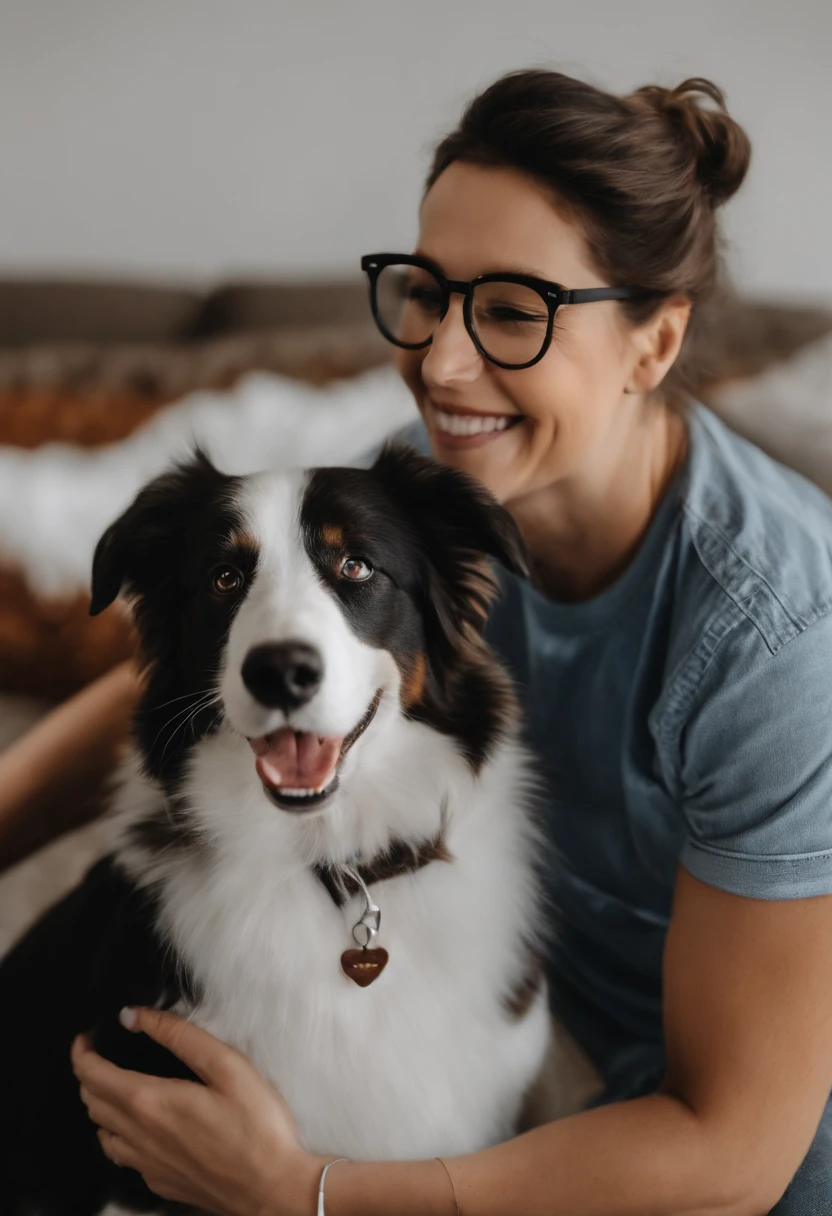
685, 684
760, 582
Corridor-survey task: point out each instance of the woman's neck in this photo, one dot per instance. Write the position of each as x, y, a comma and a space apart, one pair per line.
583, 532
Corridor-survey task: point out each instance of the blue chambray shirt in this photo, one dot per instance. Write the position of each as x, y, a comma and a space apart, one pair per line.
683, 715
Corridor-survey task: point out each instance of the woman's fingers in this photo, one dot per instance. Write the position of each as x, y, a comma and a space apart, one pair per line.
214, 1062
218, 1146
119, 1151
211, 1060
99, 1076
104, 1115
80, 1044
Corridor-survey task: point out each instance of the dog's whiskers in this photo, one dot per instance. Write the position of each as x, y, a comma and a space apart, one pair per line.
204, 699
207, 671
212, 697
185, 697
173, 718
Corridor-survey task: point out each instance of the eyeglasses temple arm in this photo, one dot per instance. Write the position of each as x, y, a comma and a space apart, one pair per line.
588, 295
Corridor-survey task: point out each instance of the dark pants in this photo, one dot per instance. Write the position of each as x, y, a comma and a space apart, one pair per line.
632, 1068
810, 1191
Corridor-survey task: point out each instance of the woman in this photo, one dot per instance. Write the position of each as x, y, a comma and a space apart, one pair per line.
675, 651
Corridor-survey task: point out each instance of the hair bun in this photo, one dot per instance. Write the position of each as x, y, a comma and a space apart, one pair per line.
720, 147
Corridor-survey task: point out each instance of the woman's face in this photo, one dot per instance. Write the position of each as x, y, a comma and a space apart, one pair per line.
564, 412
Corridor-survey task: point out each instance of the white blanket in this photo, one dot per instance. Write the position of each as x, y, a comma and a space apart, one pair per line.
55, 501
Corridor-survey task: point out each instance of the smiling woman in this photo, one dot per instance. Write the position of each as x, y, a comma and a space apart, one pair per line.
478, 216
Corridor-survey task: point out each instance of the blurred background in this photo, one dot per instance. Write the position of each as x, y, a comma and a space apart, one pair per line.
186, 189
196, 139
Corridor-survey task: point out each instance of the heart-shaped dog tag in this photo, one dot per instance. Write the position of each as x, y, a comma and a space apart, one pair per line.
364, 966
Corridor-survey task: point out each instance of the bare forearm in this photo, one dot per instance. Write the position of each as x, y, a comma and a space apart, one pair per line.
53, 778
649, 1157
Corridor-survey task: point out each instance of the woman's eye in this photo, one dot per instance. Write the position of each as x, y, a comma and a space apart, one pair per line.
516, 316
356, 570
426, 296
226, 579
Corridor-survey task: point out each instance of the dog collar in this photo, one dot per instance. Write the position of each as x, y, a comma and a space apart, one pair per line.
399, 858
365, 963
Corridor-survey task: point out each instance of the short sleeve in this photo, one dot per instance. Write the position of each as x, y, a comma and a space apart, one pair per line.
756, 766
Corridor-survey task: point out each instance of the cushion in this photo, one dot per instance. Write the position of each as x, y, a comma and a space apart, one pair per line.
44, 310
246, 307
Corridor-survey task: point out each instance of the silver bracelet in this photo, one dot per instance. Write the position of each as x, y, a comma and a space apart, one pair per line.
321, 1211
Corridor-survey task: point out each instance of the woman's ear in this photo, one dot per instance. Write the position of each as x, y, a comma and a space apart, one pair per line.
657, 344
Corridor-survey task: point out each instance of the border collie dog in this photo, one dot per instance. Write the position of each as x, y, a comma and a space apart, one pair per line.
328, 844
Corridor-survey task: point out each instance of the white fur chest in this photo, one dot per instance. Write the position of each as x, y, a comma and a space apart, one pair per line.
426, 1060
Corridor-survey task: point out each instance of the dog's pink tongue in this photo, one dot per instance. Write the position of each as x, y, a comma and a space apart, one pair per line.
296, 760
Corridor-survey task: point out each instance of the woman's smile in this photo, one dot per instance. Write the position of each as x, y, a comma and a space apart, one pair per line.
459, 427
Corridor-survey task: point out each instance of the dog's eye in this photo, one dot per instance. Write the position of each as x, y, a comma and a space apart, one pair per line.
356, 570
226, 579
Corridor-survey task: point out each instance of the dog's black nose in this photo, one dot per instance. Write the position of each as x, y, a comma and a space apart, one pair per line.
283, 675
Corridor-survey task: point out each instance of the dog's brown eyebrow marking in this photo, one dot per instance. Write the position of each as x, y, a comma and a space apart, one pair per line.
243, 540
333, 534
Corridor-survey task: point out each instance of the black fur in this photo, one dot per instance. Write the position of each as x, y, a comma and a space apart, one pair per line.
162, 551
427, 530
94, 952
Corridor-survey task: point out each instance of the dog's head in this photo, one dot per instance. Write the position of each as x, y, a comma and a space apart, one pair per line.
288, 606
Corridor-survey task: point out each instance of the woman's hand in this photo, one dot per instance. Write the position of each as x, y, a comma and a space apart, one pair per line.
228, 1146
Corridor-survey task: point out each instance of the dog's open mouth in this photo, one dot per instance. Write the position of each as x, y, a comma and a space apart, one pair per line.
301, 770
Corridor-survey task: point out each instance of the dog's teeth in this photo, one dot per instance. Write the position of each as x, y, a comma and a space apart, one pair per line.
287, 793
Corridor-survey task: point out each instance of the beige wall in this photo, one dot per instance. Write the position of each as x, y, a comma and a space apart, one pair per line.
196, 138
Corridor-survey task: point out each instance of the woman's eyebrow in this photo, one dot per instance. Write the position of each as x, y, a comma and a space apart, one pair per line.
529, 272
420, 253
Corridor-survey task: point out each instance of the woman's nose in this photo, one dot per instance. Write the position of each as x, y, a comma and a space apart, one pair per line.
452, 357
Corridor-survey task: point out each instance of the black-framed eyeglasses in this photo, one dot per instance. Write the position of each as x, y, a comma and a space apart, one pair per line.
508, 316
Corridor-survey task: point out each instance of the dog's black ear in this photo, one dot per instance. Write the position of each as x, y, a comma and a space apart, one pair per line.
459, 524
451, 510
140, 546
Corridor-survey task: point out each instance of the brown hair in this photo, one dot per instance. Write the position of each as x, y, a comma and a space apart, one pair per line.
642, 174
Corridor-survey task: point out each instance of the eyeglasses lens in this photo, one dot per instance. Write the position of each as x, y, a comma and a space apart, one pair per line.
409, 303
511, 321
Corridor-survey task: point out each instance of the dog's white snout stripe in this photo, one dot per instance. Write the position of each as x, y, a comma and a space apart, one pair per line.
292, 656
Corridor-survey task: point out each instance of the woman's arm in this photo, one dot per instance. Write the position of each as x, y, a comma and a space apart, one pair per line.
748, 1028
53, 778
748, 1023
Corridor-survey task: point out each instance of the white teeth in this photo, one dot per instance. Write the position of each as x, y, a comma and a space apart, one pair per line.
298, 793
468, 424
